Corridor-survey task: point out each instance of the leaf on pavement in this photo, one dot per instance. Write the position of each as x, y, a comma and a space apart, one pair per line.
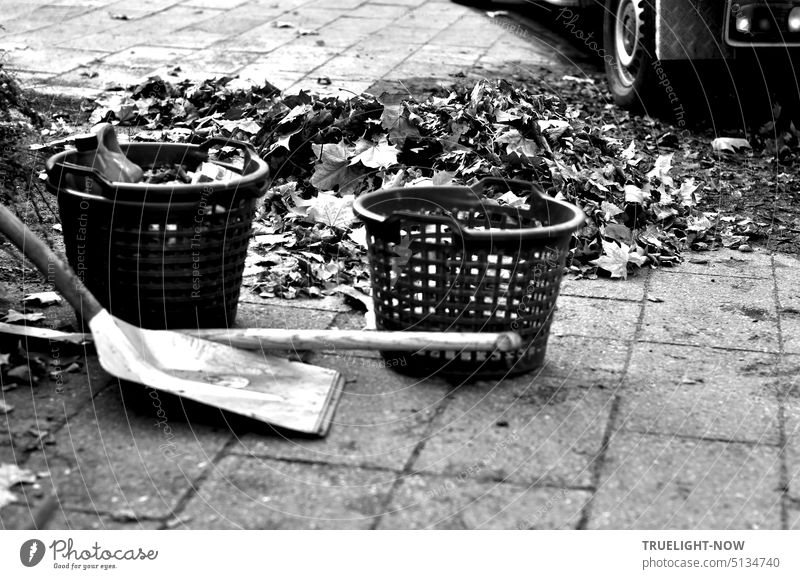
10, 475
13, 316
42, 299
729, 144
616, 257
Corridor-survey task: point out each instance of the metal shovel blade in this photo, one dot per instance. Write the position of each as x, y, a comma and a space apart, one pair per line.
285, 394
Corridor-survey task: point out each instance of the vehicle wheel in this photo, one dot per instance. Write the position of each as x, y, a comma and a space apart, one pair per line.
629, 41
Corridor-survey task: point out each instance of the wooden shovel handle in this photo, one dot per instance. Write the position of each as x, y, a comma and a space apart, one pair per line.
272, 338
56, 271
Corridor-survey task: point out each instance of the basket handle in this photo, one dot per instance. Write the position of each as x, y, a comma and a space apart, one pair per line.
223, 142
81, 170
537, 199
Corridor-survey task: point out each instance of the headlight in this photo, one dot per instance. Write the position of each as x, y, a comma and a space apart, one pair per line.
794, 19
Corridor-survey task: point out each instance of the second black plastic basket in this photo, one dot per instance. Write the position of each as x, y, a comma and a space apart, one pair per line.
160, 256
447, 259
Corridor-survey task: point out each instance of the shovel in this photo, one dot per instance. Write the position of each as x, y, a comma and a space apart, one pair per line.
290, 395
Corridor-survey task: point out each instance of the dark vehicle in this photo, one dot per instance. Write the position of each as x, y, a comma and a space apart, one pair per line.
641, 37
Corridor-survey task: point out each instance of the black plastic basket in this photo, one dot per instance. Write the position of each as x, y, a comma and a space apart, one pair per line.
447, 259
160, 255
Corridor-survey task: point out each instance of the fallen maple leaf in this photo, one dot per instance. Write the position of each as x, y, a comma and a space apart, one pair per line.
334, 170
516, 143
634, 194
42, 298
688, 192
662, 167
13, 316
609, 210
616, 258
332, 211
378, 156
729, 144
10, 475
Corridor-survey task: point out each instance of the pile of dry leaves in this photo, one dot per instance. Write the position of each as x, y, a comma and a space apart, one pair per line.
324, 151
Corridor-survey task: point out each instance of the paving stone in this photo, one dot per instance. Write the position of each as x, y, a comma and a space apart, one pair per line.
726, 262
374, 10
51, 60
401, 35
21, 517
728, 312
149, 30
345, 31
332, 303
41, 410
631, 289
700, 392
585, 361
249, 493
425, 502
119, 454
342, 88
435, 54
416, 69
211, 62
292, 57
339, 5
471, 32
40, 18
509, 48
790, 398
220, 4
523, 430
435, 15
362, 69
250, 315
147, 56
595, 317
787, 278
659, 482
381, 418
100, 76
70, 29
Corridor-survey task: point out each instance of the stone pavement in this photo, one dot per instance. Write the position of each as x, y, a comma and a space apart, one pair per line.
74, 46
668, 401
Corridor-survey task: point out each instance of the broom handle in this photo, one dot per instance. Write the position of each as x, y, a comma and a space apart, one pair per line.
271, 338
51, 266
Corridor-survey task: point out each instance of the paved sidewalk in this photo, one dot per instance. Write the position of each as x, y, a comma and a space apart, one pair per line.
668, 401
76, 46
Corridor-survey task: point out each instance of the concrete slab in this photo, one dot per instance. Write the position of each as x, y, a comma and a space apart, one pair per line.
721, 311
700, 392
251, 493
381, 419
523, 430
134, 453
663, 482
426, 502
601, 318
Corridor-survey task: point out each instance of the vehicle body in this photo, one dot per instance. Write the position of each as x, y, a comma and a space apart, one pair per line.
643, 36
641, 39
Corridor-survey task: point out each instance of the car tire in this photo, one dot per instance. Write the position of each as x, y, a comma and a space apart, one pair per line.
629, 42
